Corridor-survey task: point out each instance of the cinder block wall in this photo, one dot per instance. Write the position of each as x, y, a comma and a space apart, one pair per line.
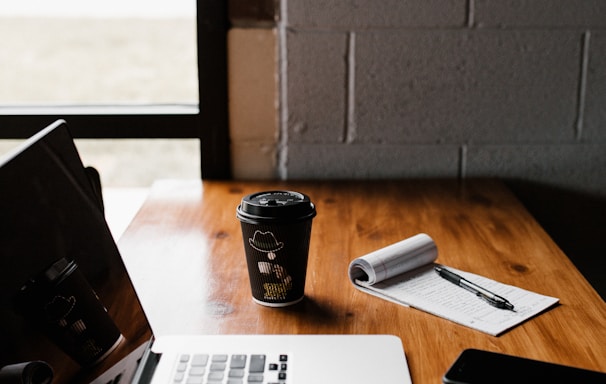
444, 88
370, 89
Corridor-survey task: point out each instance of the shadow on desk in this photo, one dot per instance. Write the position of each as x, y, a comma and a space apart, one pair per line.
312, 312
575, 221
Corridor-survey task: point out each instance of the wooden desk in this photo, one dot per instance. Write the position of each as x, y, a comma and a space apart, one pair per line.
185, 253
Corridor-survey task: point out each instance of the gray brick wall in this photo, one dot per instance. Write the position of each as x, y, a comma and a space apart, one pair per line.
445, 88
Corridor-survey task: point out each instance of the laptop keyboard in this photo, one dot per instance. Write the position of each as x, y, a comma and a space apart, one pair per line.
231, 369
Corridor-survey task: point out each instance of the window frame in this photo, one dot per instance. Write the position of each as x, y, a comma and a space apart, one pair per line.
207, 122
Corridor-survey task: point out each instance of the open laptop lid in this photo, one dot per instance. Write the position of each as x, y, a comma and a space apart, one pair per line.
52, 230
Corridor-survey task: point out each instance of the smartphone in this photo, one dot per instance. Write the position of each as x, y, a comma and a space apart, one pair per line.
474, 366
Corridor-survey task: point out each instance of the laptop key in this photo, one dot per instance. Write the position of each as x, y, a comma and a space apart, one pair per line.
199, 360
257, 363
219, 358
217, 366
216, 376
196, 371
195, 380
236, 373
184, 358
255, 378
238, 361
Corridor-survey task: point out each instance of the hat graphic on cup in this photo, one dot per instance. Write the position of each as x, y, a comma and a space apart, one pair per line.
265, 242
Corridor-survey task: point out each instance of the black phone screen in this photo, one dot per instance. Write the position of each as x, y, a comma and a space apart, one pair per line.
474, 366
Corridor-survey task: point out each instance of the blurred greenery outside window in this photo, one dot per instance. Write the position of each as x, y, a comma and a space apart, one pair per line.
98, 55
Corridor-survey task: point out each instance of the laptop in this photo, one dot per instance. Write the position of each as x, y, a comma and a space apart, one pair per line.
69, 312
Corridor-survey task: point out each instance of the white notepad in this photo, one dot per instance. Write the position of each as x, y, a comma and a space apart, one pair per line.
404, 274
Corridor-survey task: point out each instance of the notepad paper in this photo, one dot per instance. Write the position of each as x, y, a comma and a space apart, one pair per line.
404, 273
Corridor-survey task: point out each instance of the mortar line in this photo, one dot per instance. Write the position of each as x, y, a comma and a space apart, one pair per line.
463, 161
282, 142
471, 13
582, 91
350, 123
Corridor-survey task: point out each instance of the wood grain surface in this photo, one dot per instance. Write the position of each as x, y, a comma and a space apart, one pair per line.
185, 253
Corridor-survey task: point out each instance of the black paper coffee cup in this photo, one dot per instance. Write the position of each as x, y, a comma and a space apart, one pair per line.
276, 229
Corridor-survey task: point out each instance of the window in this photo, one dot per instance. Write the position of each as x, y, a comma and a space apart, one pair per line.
181, 96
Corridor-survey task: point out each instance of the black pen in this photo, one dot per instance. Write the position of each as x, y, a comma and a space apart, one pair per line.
484, 294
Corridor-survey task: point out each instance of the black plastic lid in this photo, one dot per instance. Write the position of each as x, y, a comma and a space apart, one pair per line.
275, 206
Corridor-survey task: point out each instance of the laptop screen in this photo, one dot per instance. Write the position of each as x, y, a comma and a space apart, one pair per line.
66, 301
